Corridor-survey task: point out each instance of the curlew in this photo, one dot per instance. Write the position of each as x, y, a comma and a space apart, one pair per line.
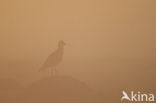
54, 59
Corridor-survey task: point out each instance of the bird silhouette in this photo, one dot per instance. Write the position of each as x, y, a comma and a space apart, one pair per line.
54, 59
125, 96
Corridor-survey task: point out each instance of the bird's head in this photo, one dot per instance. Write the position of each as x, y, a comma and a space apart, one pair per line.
62, 43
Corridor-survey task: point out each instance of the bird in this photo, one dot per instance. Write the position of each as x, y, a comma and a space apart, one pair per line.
54, 59
125, 96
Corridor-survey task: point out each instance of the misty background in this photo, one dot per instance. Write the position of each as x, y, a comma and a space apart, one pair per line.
111, 42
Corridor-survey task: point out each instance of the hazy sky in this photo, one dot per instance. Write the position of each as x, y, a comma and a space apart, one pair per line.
30, 29
109, 39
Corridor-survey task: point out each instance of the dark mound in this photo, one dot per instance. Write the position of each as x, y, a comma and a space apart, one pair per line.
8, 90
57, 89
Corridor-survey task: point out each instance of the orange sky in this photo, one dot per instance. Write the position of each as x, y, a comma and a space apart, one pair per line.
95, 28
98, 31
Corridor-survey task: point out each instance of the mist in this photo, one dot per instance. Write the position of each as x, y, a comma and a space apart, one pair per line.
110, 42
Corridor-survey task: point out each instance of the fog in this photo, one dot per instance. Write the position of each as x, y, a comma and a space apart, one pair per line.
111, 44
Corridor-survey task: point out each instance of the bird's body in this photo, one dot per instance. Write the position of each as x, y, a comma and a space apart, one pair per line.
54, 59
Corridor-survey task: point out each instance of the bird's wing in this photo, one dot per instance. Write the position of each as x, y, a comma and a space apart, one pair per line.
49, 61
51, 58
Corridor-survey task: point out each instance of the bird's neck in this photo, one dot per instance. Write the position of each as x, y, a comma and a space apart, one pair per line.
61, 48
